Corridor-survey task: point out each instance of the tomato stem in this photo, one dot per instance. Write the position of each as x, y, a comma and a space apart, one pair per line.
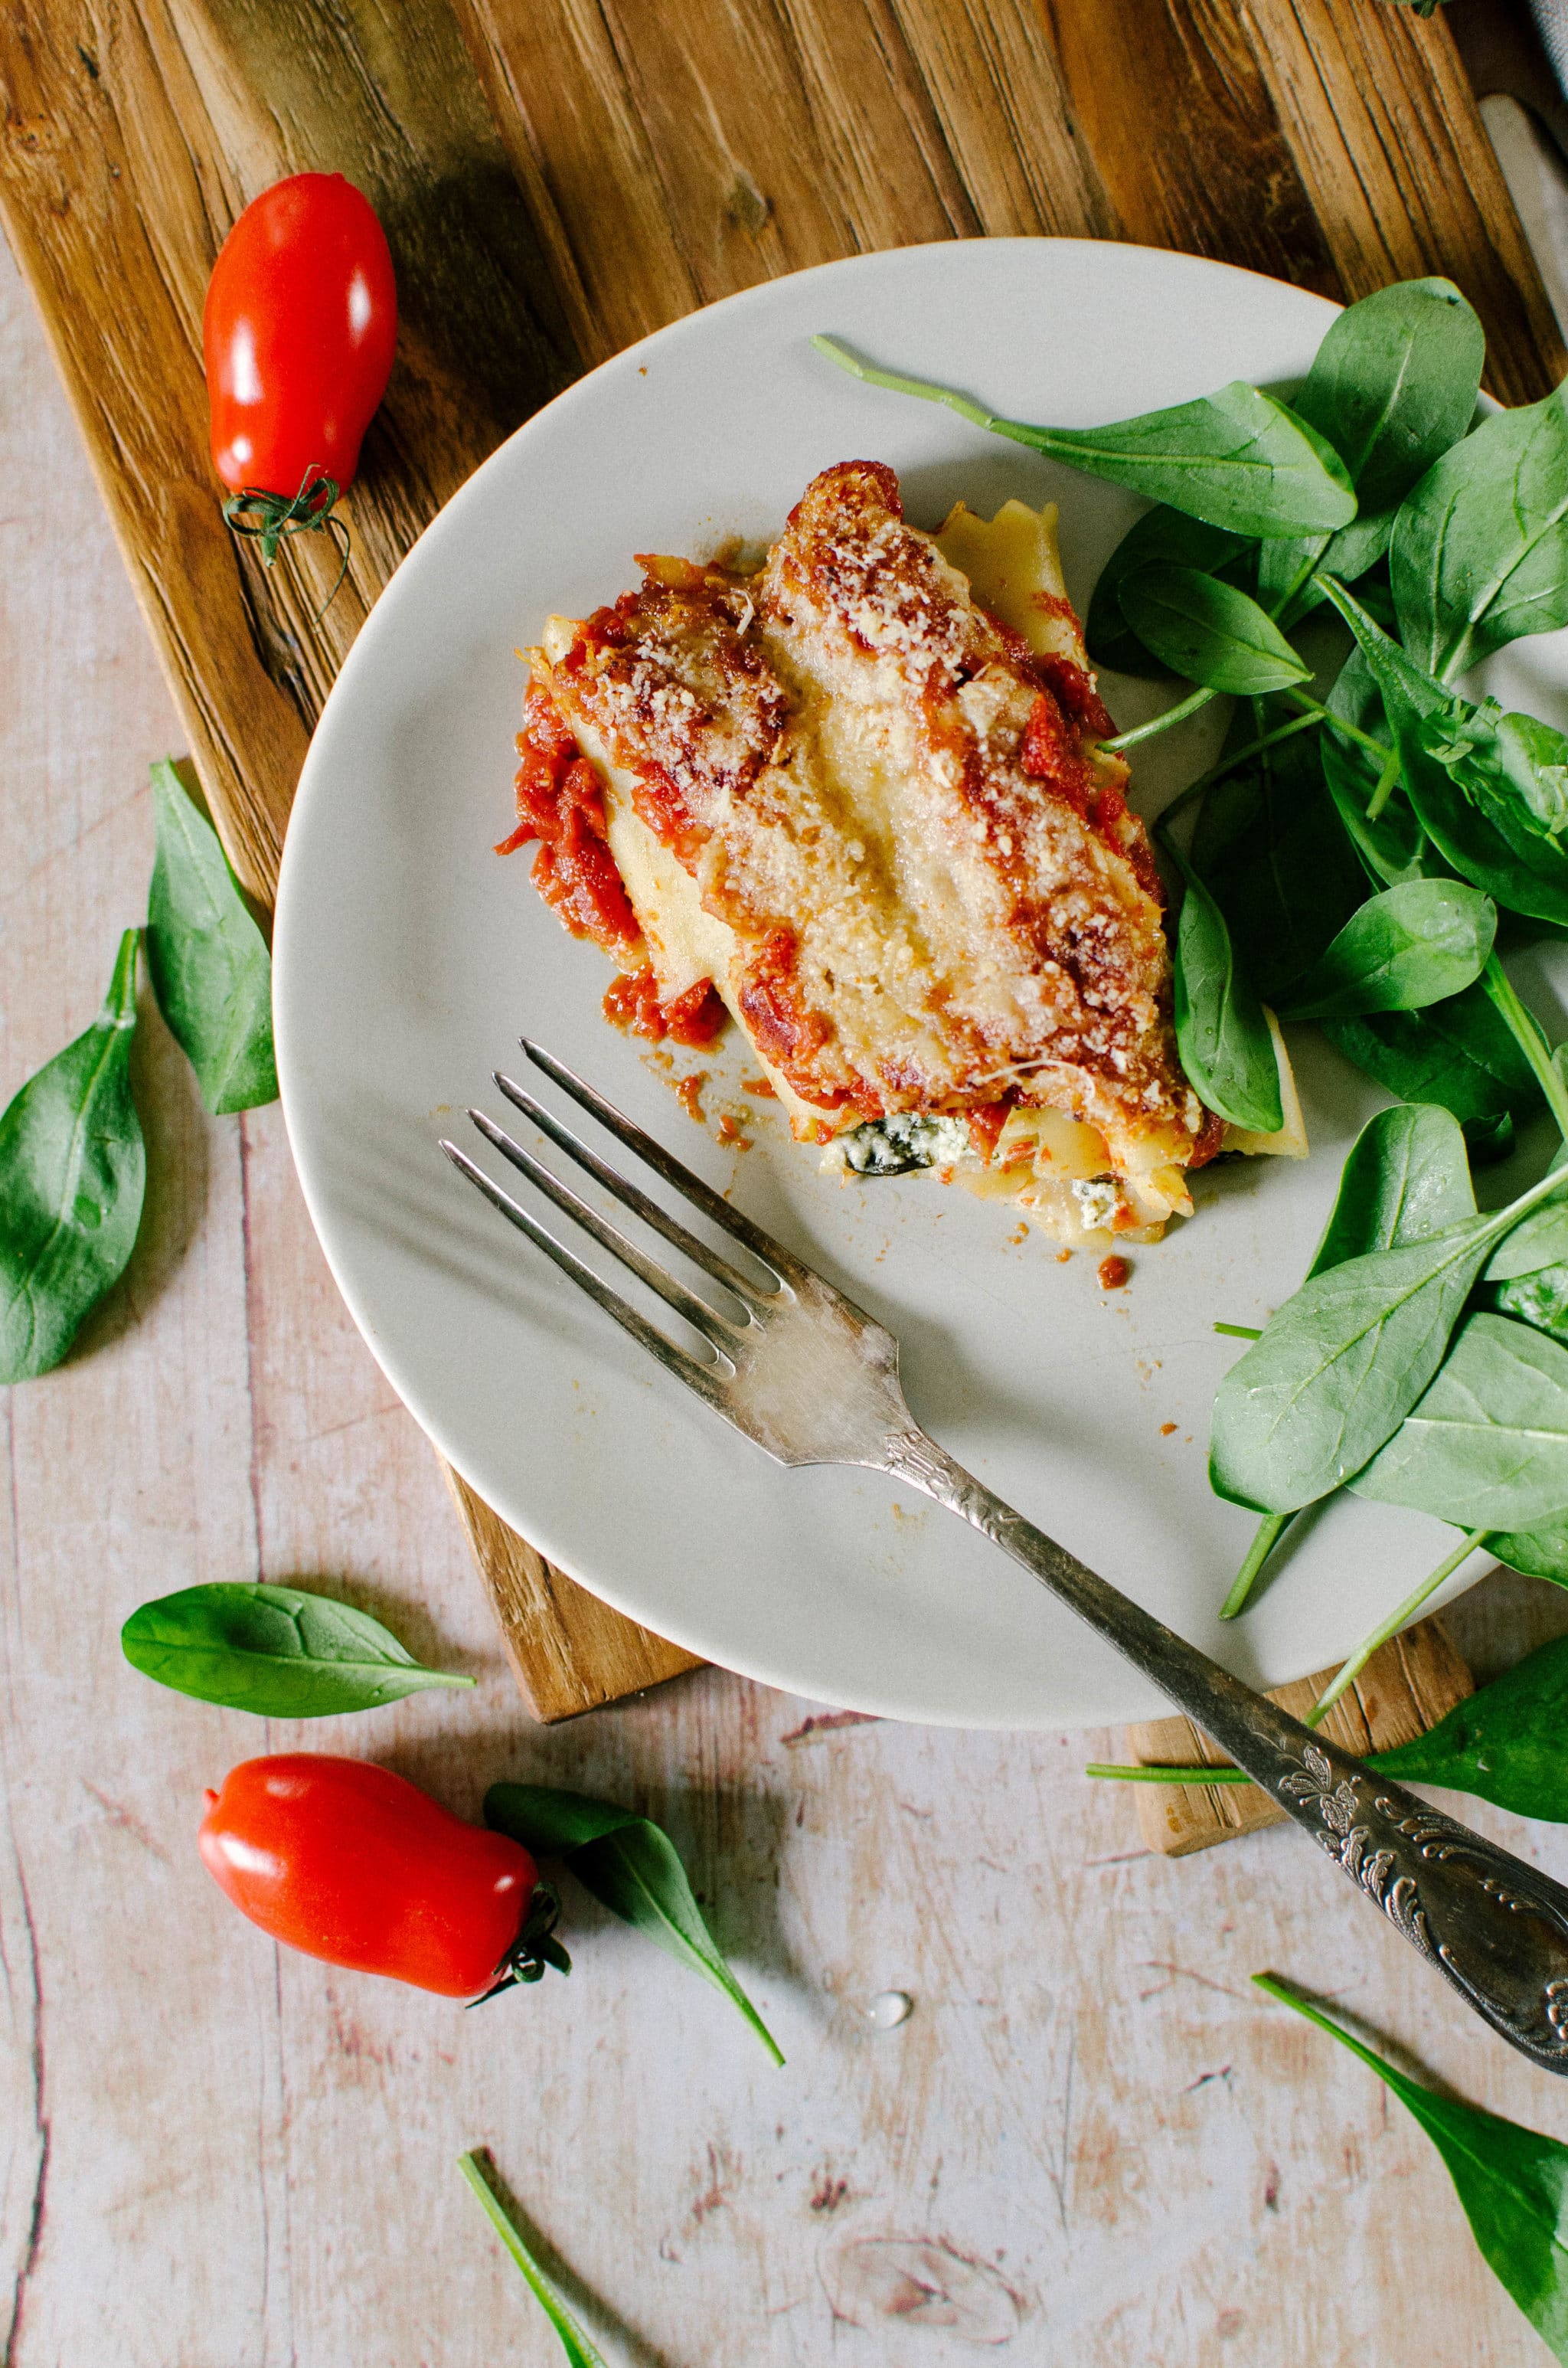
266, 517
534, 1948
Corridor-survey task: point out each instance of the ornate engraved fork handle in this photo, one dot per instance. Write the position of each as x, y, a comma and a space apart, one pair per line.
1497, 1928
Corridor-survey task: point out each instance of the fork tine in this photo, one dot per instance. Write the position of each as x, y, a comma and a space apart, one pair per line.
630, 1195
716, 1329
703, 1196
704, 1379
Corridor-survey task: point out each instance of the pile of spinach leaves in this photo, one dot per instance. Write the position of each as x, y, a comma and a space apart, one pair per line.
1354, 860
73, 1160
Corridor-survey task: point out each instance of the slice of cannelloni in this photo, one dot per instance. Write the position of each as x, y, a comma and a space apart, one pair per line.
858, 800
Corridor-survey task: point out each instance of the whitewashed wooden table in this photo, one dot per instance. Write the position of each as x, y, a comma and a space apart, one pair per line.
221, 2155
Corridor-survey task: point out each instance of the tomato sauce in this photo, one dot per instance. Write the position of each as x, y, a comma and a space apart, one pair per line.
1051, 754
560, 803
985, 1126
693, 1019
1075, 694
659, 802
783, 1029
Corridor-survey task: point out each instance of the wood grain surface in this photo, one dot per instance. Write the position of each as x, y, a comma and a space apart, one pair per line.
586, 170
1407, 1686
568, 1651
1092, 2135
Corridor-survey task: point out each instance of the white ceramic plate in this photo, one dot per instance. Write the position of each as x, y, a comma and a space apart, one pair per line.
409, 959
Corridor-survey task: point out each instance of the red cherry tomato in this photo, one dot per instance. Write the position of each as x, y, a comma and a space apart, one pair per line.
349, 1862
298, 329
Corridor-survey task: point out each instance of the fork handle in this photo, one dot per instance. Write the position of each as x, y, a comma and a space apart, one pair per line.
1497, 1928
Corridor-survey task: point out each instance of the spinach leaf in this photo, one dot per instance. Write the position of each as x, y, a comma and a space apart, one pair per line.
208, 961
631, 1866
1512, 2182
1335, 1373
1276, 860
1410, 946
73, 1170
1407, 1177
1541, 1552
1393, 385
1538, 1240
1497, 850
1460, 1054
1486, 1446
281, 1652
1521, 871
580, 2352
1222, 1036
1480, 550
1160, 538
1391, 844
1210, 631
1539, 1298
1505, 1744
1234, 459
1513, 767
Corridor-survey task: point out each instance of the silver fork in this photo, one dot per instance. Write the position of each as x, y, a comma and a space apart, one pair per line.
814, 1379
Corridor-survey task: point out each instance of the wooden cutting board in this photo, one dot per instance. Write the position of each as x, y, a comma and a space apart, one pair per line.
557, 177
1407, 1686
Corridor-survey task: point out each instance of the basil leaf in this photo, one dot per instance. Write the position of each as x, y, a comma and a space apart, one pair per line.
279, 1651
1410, 946
631, 1867
1495, 851
580, 2352
1234, 459
1224, 1038
1393, 845
1407, 1177
1486, 1446
1512, 2181
1460, 1054
1480, 550
1335, 1373
1160, 538
208, 961
1210, 631
1392, 386
1274, 855
73, 1170
1505, 1744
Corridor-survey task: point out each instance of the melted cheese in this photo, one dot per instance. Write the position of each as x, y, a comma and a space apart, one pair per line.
897, 903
